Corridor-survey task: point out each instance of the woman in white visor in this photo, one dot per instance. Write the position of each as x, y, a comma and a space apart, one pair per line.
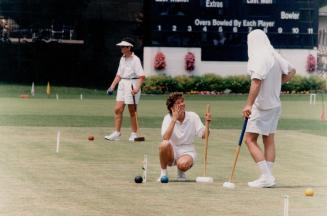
130, 73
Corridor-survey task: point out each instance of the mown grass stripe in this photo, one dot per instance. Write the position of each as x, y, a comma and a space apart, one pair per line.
145, 122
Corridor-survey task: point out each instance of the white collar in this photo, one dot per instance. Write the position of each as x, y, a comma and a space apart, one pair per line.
129, 56
186, 118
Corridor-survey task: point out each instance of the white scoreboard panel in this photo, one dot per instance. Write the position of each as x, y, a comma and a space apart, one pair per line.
220, 27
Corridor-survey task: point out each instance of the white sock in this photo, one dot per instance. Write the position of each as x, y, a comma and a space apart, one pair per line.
264, 169
270, 165
180, 172
163, 172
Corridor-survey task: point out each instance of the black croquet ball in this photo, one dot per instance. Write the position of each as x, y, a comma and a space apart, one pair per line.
138, 179
110, 92
164, 179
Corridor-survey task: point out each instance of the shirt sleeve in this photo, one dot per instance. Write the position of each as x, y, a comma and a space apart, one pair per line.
284, 64
255, 75
289, 68
165, 124
138, 67
199, 127
258, 69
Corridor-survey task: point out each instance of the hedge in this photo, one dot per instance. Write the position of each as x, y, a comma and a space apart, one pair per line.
216, 84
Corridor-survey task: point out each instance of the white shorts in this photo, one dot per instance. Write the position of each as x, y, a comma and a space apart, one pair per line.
124, 92
180, 150
263, 122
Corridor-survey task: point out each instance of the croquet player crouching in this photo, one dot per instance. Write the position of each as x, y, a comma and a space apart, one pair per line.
179, 129
268, 70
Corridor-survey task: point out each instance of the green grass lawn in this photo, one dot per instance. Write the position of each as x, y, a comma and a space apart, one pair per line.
96, 178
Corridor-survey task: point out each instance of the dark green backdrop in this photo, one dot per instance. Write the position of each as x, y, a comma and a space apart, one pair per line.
100, 23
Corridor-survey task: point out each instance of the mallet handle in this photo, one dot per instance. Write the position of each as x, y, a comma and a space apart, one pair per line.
136, 118
206, 138
132, 87
237, 152
243, 131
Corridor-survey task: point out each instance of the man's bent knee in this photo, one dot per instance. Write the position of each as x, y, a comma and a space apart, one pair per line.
164, 145
185, 164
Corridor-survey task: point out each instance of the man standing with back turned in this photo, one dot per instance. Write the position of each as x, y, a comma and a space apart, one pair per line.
268, 70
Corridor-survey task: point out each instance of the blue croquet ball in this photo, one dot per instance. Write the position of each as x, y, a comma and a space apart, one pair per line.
164, 179
138, 179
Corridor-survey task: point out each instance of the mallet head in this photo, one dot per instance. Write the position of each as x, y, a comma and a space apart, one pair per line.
204, 179
229, 185
139, 139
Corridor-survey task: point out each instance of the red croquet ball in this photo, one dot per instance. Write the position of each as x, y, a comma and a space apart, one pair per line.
91, 138
24, 96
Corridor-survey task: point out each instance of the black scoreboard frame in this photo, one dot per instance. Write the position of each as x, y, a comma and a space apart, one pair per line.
220, 27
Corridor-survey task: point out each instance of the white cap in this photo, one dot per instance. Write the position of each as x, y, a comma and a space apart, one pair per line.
124, 43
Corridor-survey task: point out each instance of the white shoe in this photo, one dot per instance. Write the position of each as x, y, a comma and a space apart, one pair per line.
113, 136
181, 176
262, 182
159, 179
132, 137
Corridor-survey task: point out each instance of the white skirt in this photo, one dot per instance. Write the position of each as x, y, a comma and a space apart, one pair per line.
263, 122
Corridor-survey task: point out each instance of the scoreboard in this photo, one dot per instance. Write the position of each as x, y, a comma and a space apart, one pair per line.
220, 27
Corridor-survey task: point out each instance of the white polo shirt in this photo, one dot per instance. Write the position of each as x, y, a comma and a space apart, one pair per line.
271, 82
184, 133
130, 67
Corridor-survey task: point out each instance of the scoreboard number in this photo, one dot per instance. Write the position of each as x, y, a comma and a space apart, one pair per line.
280, 30
310, 30
295, 30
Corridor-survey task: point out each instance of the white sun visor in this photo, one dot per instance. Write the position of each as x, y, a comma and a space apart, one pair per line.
124, 43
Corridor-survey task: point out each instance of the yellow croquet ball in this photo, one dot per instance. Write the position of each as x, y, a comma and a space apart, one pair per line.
309, 192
